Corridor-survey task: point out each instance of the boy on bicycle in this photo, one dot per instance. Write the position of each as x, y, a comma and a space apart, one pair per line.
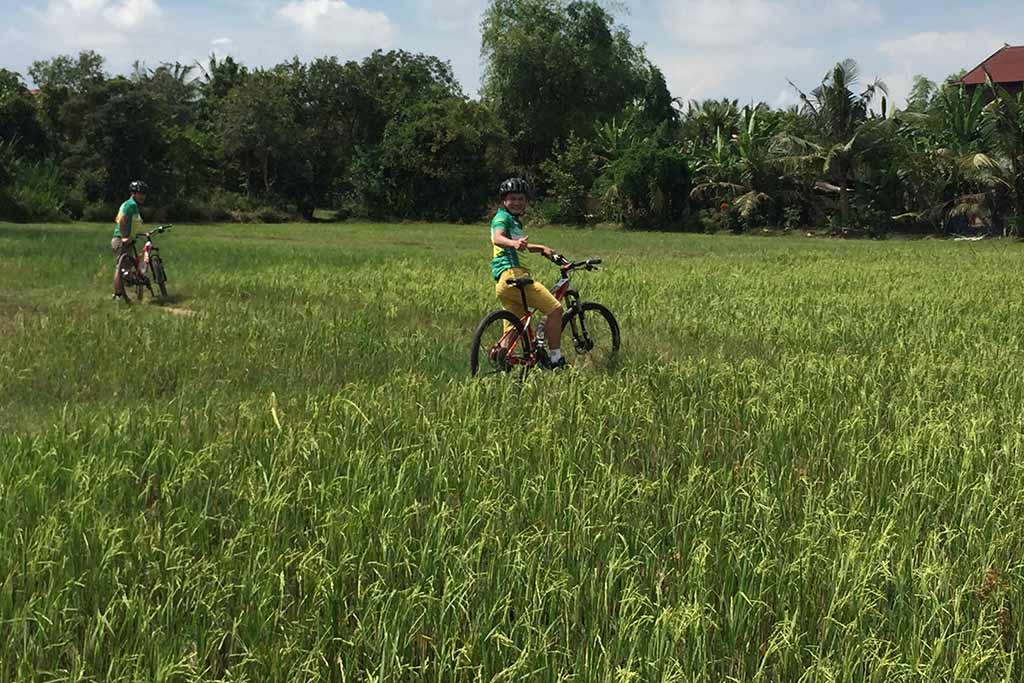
509, 239
127, 218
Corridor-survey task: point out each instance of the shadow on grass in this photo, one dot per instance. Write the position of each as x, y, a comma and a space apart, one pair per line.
172, 299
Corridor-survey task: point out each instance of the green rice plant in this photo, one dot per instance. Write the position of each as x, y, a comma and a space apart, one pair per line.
807, 467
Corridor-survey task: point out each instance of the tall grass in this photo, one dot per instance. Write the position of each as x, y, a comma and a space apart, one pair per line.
808, 467
36, 191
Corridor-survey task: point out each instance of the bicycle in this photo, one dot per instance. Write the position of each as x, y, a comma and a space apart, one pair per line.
594, 332
134, 274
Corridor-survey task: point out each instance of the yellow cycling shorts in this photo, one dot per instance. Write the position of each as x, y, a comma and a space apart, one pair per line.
537, 295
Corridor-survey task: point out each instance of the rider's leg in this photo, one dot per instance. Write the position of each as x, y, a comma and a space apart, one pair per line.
553, 329
538, 297
115, 246
510, 297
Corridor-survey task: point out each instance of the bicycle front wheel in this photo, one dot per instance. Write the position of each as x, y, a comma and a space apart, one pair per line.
594, 336
160, 275
500, 346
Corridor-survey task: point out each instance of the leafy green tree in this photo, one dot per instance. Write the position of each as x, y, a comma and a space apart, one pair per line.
18, 122
647, 187
117, 138
659, 107
553, 68
185, 169
219, 76
392, 82
258, 135
176, 88
442, 160
569, 175
329, 100
64, 71
63, 83
922, 94
10, 209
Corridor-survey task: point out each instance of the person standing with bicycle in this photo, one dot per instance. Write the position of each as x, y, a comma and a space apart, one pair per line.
127, 219
509, 239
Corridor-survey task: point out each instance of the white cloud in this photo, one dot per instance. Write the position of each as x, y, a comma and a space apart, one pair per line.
953, 51
95, 23
935, 55
721, 23
714, 73
721, 43
749, 23
221, 41
451, 15
786, 98
335, 23
855, 12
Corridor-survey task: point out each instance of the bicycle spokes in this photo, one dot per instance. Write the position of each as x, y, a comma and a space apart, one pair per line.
593, 336
502, 351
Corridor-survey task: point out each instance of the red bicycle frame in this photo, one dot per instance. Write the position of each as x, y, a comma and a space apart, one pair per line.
560, 290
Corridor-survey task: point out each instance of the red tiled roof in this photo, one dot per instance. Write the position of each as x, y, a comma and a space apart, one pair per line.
1006, 66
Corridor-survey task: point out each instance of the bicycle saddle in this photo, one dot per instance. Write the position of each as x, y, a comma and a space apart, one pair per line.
519, 282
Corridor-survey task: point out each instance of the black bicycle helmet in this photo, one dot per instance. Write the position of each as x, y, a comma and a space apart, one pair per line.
138, 186
517, 185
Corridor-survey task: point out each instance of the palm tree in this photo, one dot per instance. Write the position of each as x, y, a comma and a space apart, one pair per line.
840, 115
947, 164
1004, 125
740, 168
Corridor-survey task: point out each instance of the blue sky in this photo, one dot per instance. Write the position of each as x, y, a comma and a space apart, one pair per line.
744, 49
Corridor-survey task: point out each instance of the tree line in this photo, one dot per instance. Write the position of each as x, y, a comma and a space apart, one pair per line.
567, 101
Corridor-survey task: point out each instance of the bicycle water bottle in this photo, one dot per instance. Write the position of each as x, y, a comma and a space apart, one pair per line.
540, 332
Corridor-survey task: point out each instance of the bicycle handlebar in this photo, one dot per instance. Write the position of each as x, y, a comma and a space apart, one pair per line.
567, 265
157, 231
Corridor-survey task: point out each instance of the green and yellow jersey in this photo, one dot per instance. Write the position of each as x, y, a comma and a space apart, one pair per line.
130, 209
504, 258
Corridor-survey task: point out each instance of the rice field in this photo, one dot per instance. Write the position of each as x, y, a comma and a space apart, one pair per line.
809, 465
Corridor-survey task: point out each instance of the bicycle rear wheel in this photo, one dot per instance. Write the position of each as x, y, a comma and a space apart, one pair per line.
594, 337
497, 353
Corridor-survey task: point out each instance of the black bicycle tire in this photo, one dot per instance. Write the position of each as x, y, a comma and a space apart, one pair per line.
119, 267
490, 319
591, 306
161, 277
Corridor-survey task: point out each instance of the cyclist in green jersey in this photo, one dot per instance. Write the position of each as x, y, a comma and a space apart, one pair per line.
127, 220
509, 239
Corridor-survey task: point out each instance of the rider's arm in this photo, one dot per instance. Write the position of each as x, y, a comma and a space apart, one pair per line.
541, 249
124, 222
499, 239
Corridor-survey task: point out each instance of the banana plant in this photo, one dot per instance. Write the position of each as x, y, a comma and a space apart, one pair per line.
1003, 124
740, 169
